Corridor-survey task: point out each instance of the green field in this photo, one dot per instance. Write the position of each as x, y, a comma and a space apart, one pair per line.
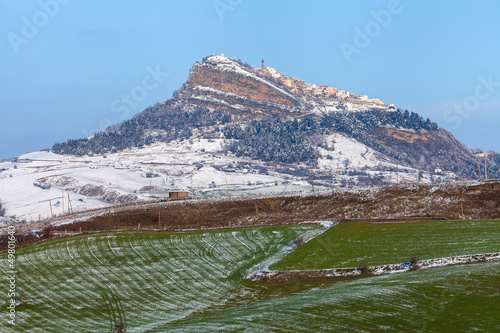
351, 244
460, 298
143, 280
195, 282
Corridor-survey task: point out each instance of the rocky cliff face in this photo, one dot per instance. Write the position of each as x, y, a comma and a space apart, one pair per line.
228, 76
224, 84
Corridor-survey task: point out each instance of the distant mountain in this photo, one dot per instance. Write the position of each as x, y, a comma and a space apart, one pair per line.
233, 129
268, 116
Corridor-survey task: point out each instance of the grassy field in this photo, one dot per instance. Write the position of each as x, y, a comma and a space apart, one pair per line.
141, 280
461, 298
195, 282
352, 244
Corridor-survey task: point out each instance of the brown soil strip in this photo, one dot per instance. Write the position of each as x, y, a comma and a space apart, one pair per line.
296, 276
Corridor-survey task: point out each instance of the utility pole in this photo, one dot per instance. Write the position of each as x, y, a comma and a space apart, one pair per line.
333, 186
51, 214
192, 191
478, 168
338, 180
70, 206
312, 179
485, 169
397, 173
150, 199
62, 202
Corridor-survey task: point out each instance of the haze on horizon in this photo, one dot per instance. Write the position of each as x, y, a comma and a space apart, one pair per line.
70, 67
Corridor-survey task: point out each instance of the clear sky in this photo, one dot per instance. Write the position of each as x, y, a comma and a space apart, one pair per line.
69, 68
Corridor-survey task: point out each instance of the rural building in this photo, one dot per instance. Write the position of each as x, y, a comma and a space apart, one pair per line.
317, 92
271, 70
342, 94
331, 91
377, 101
289, 83
176, 195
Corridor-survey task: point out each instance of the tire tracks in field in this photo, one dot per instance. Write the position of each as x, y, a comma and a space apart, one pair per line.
141, 280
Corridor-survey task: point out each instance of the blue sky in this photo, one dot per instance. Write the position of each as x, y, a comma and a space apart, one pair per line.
67, 65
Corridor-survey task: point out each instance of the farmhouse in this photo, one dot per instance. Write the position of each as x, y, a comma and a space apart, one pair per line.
176, 195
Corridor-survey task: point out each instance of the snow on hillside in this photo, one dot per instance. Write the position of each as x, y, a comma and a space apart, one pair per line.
30, 184
324, 107
167, 167
22, 199
340, 148
41, 156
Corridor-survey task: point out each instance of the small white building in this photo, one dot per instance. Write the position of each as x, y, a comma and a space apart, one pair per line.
342, 94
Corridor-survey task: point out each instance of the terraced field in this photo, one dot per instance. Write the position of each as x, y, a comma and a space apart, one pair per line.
353, 244
139, 280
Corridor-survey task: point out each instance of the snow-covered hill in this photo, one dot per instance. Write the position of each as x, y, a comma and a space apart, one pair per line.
235, 129
38, 185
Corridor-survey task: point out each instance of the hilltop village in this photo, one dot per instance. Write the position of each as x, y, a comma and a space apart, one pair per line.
313, 92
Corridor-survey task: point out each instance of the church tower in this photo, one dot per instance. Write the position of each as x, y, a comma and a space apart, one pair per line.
262, 65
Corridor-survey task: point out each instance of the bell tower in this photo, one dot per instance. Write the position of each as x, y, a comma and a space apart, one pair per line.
262, 65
